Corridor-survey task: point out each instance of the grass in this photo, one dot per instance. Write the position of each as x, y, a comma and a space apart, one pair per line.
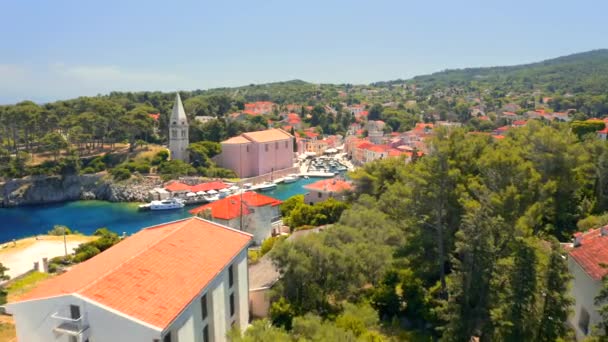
21, 286
7, 332
147, 152
10, 247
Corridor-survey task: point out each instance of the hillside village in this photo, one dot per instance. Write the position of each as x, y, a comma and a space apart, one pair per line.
464, 205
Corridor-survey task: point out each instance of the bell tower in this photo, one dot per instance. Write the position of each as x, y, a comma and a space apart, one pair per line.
178, 131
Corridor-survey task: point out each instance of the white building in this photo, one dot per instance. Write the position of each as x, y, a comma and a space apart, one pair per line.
182, 281
178, 131
250, 212
326, 189
588, 252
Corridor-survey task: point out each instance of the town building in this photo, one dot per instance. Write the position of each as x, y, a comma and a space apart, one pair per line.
181, 281
178, 131
325, 189
585, 259
250, 212
257, 153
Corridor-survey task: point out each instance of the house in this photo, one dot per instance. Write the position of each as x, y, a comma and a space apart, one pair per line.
589, 251
250, 212
325, 189
256, 153
181, 281
259, 107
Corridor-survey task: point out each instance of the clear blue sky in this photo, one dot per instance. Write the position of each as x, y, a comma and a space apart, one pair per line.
61, 49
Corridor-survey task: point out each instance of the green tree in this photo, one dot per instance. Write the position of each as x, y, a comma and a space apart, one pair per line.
54, 142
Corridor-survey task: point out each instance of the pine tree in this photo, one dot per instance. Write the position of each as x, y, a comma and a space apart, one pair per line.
557, 303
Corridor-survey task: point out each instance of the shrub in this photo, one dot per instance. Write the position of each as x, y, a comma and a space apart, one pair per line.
269, 243
253, 256
120, 173
160, 157
59, 230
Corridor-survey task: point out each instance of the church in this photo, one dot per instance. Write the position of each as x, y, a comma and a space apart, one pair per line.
178, 132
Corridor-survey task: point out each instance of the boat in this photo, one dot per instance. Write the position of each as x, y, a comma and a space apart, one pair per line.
234, 189
266, 186
167, 204
290, 178
247, 186
211, 198
341, 168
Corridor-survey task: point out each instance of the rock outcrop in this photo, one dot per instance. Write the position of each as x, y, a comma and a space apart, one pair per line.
51, 189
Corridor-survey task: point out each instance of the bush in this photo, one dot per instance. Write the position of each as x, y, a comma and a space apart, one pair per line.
120, 173
160, 157
269, 243
253, 256
59, 230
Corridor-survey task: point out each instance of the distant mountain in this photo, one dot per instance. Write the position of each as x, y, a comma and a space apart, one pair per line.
585, 72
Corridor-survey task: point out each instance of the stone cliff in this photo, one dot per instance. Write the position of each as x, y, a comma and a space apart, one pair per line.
50, 189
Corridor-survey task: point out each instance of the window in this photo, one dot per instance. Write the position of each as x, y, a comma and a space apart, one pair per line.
183, 133
319, 194
230, 276
583, 321
266, 147
204, 306
247, 148
276, 145
286, 144
206, 333
174, 133
167, 337
231, 304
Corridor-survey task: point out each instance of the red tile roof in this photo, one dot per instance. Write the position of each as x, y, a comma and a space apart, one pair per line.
177, 186
329, 185
208, 186
155, 117
269, 135
154, 274
230, 207
592, 252
519, 123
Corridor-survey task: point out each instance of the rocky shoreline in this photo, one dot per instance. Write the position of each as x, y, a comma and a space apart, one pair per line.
53, 189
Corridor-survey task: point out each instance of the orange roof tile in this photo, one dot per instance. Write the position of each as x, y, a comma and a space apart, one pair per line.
329, 185
177, 186
230, 207
208, 186
236, 140
267, 135
154, 274
592, 252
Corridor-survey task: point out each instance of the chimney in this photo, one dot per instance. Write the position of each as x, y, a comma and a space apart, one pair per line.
45, 265
578, 239
604, 231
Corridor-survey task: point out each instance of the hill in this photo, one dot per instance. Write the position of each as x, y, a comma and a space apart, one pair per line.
585, 72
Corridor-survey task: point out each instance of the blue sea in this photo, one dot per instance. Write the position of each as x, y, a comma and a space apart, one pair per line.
87, 216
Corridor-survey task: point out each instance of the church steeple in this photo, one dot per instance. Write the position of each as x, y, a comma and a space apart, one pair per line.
178, 131
178, 115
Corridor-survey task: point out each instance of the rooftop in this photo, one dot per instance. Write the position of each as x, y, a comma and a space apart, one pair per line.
329, 185
268, 135
154, 274
592, 251
230, 207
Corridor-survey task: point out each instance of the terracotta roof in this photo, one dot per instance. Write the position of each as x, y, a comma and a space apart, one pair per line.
268, 135
230, 207
154, 274
378, 148
236, 140
519, 122
329, 185
154, 116
592, 252
208, 186
177, 186
509, 113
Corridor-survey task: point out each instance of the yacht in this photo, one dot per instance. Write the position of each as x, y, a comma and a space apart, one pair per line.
290, 178
167, 204
211, 197
266, 186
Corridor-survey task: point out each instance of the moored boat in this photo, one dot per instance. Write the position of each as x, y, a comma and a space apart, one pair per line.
166, 204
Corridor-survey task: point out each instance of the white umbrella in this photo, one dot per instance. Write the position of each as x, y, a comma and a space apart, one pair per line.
234, 188
190, 194
211, 192
200, 193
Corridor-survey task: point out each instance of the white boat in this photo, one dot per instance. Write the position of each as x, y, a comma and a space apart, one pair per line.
290, 178
167, 204
247, 186
234, 189
266, 186
341, 168
211, 198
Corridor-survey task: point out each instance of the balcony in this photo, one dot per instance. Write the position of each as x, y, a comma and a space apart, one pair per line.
71, 327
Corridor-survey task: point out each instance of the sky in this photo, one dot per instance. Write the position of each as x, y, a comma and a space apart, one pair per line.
59, 49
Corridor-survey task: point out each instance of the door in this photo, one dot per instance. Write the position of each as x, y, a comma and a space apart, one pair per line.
74, 312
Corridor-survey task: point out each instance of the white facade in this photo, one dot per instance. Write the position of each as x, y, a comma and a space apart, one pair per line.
39, 320
260, 223
178, 132
584, 289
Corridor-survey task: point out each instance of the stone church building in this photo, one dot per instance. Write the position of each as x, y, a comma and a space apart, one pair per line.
178, 132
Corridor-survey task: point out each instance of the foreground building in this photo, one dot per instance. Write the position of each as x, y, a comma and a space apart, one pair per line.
257, 153
250, 212
589, 251
181, 281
